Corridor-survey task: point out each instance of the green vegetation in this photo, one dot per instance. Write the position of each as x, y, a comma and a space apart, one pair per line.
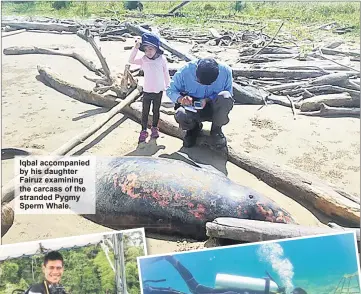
86, 270
300, 18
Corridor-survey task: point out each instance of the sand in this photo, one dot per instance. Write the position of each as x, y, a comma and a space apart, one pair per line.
36, 116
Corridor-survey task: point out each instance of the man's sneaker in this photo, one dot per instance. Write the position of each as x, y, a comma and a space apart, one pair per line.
143, 136
190, 139
218, 137
155, 133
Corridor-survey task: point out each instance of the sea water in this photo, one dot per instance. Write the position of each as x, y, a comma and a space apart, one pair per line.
315, 264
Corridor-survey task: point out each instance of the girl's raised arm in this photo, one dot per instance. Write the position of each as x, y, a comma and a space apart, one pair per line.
134, 52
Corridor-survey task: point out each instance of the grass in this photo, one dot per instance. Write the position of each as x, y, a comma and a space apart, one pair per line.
298, 17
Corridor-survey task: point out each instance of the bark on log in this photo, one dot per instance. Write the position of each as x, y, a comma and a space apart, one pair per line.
325, 89
248, 94
7, 217
234, 21
317, 196
257, 73
353, 198
255, 231
12, 33
329, 51
266, 58
214, 33
268, 50
327, 111
82, 95
334, 45
353, 85
36, 50
178, 7
112, 38
42, 26
326, 79
89, 38
337, 100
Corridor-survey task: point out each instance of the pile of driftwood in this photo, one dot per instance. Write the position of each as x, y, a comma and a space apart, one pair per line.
267, 72
104, 29
273, 70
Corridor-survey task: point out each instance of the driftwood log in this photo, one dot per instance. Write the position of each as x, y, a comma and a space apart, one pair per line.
337, 100
258, 73
327, 111
174, 9
12, 33
42, 26
325, 89
335, 79
77, 93
329, 51
53, 51
255, 231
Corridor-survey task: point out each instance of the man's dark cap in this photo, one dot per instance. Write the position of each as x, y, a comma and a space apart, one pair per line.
207, 71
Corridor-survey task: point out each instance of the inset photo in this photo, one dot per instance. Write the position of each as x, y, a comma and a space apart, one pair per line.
320, 264
96, 263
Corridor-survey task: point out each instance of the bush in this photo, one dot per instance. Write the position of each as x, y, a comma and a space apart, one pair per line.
239, 5
131, 5
61, 4
209, 7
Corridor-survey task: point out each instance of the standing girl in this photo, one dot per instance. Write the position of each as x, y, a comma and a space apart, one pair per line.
156, 80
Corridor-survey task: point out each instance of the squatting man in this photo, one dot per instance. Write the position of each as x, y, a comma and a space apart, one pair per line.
207, 85
53, 269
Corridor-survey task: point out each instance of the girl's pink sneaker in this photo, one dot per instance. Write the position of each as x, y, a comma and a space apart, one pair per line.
155, 132
143, 135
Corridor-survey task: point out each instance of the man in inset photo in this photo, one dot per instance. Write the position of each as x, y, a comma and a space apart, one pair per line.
53, 268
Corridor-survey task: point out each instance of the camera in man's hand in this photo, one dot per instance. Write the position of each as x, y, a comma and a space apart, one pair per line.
57, 290
197, 105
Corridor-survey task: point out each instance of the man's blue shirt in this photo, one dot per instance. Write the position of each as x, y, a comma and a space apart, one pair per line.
185, 81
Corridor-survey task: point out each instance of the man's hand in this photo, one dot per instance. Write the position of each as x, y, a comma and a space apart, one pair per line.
185, 101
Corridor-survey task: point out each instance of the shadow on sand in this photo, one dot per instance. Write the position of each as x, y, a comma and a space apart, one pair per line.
101, 136
146, 149
198, 155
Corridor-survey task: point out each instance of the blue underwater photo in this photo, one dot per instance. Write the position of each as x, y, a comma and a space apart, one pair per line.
312, 265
